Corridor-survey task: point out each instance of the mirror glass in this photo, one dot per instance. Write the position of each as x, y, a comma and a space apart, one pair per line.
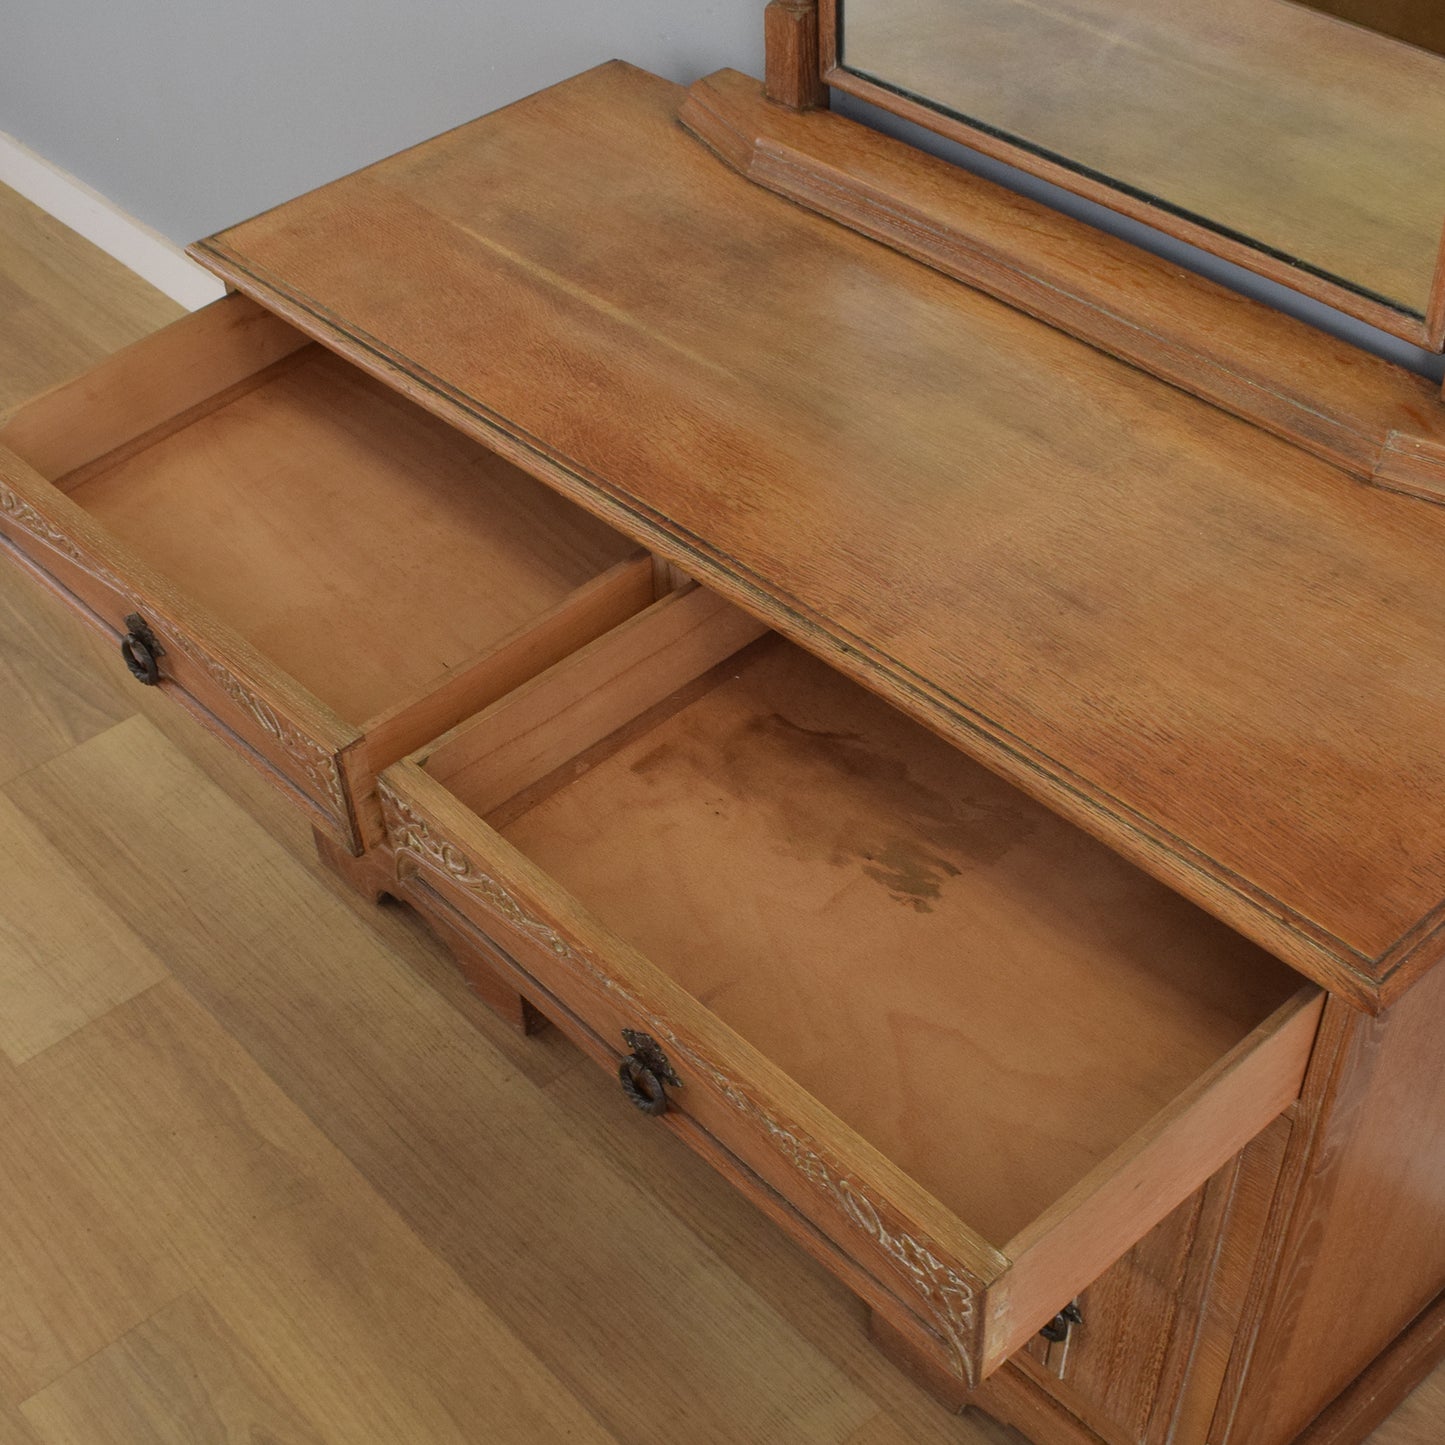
1312, 135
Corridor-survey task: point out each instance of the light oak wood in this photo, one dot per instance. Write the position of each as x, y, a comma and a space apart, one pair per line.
589, 612
1129, 1366
203, 665
898, 1331
1417, 21
180, 1377
485, 973
801, 1292
146, 388
373, 877
65, 304
793, 77
370, 875
13, 1430
253, 530
417, 1110
415, 1088
1267, 132
546, 723
885, 1430
304, 1251
749, 915
1381, 423
77, 1276
1158, 1327
1159, 1166
1230, 1272
1009, 1397
1378, 1391
1373, 1170
1040, 606
64, 960
301, 482
879, 917
55, 695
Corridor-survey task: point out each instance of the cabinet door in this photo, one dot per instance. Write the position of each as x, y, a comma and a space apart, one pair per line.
1145, 1364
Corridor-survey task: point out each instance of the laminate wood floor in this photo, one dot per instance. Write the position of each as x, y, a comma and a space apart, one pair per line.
270, 1174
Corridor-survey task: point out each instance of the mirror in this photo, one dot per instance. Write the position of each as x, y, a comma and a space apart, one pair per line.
1305, 141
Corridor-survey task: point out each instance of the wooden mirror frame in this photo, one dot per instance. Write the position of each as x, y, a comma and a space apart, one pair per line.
1371, 417
803, 42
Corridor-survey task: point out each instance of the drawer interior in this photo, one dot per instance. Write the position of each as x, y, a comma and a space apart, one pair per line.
989, 997
360, 543
366, 548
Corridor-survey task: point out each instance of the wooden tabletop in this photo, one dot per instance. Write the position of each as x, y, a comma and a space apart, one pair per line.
1219, 654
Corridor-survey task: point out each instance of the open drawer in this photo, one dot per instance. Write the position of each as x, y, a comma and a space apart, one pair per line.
976, 1050
317, 568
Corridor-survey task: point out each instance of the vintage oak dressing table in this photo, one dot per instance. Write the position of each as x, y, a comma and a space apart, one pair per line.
994, 818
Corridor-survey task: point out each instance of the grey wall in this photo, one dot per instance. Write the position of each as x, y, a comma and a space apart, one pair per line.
192, 116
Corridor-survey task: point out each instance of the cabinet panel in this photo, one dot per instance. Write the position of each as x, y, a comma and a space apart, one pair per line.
1146, 1364
1361, 1243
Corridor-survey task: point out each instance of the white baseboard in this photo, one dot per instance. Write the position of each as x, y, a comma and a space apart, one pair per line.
146, 252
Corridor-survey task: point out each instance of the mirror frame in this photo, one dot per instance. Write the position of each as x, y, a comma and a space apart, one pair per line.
1427, 331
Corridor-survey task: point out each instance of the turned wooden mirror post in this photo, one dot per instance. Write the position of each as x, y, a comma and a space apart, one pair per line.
794, 77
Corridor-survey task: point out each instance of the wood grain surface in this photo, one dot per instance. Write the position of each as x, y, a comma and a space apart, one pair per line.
1376, 1171
361, 546
926, 951
1378, 421
328, 573
271, 1172
1420, 22
794, 78
66, 304
291, 1184
1164, 623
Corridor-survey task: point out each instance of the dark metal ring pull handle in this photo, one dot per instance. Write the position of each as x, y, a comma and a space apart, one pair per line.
642, 1086
645, 1073
1059, 1328
141, 651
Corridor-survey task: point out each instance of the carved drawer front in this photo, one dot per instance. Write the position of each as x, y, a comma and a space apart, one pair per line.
320, 571
978, 1053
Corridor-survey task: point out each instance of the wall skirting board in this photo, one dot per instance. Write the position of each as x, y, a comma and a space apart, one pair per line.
132, 243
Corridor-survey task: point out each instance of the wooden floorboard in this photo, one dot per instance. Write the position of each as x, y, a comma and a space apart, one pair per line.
270, 1172
64, 304
1420, 1420
68, 958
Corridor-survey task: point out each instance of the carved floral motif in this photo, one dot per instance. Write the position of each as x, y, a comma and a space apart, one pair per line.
316, 763
43, 529
415, 843
309, 758
948, 1298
